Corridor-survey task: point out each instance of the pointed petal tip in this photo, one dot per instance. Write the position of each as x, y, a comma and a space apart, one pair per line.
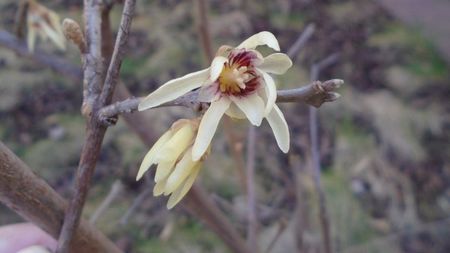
285, 149
261, 38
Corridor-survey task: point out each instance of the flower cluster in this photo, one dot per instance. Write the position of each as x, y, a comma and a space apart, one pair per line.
237, 84
45, 24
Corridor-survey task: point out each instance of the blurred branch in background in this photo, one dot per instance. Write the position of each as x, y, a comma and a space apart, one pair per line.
115, 191
301, 41
315, 152
252, 225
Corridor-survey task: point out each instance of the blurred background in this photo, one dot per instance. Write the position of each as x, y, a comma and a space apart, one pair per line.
384, 145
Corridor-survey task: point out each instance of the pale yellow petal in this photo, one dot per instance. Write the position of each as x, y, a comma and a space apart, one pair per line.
57, 38
235, 112
208, 126
277, 63
216, 67
182, 191
31, 40
252, 106
149, 158
177, 144
271, 92
279, 127
31, 37
261, 38
182, 170
52, 28
158, 189
174, 89
163, 170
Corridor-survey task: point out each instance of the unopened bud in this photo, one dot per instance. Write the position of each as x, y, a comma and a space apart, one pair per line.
72, 31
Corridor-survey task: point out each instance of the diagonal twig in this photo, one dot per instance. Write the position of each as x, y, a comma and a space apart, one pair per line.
115, 191
112, 75
301, 41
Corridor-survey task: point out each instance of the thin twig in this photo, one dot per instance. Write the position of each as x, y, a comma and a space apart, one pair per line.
315, 152
203, 28
112, 74
115, 191
136, 203
315, 94
252, 226
281, 227
300, 43
20, 19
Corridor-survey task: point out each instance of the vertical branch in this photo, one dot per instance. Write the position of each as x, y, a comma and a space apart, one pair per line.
252, 226
93, 101
86, 167
20, 18
203, 28
93, 75
315, 152
92, 63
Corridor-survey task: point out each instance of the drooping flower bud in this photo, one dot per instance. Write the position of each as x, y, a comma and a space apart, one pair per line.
176, 170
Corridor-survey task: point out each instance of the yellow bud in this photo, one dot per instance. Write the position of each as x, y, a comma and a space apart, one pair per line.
179, 142
182, 170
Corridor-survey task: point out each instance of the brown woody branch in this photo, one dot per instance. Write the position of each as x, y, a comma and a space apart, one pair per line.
315, 94
34, 200
93, 100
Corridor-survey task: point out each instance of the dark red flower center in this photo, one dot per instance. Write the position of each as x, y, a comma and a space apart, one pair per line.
238, 76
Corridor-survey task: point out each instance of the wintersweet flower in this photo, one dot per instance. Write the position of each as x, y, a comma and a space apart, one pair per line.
237, 84
176, 170
44, 23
